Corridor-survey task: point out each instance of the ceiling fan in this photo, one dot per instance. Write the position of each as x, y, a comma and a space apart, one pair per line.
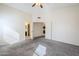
37, 4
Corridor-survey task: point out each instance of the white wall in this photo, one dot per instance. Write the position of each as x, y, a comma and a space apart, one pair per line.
1, 41
48, 30
0, 31
38, 29
65, 25
13, 24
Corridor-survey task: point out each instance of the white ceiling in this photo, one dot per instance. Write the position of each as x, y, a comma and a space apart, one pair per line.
27, 7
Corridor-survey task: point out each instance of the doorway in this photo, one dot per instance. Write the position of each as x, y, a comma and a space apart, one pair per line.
27, 30
39, 30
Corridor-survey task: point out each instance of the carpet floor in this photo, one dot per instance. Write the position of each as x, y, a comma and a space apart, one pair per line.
40, 47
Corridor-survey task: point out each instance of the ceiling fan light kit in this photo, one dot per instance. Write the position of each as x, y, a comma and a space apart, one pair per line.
38, 5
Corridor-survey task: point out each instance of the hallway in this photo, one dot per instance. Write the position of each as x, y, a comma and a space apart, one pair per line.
40, 47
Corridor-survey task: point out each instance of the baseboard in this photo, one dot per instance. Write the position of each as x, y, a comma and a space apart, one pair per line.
64, 42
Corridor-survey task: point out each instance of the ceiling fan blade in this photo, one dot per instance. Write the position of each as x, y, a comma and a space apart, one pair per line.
41, 5
33, 4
